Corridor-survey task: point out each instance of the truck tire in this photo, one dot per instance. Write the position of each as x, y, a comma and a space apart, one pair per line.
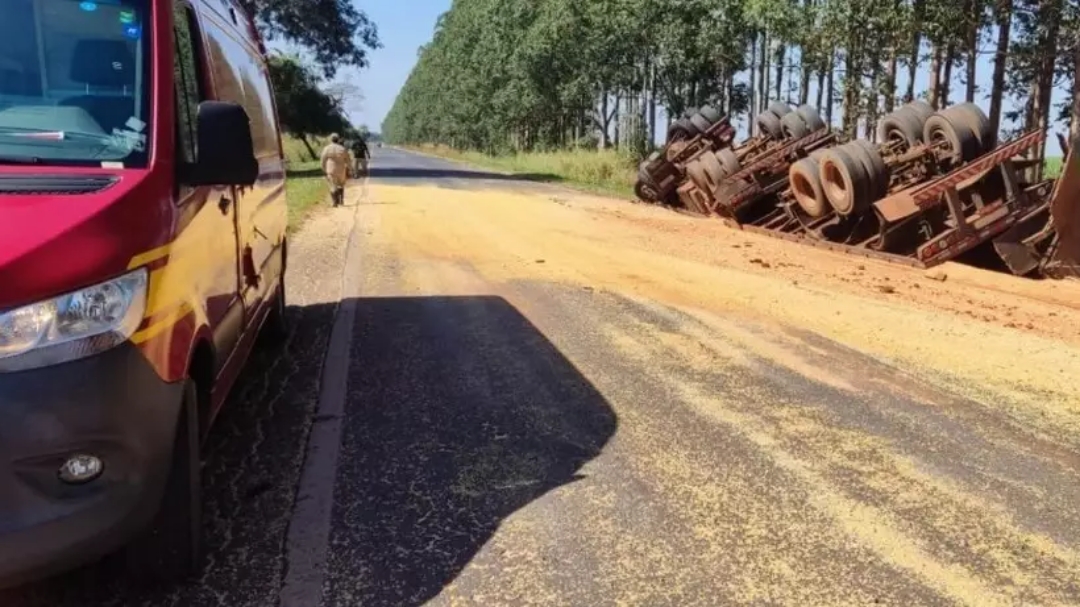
779, 108
646, 192
955, 139
902, 125
702, 123
695, 171
714, 171
793, 126
879, 173
805, 178
710, 113
681, 129
769, 125
845, 182
729, 161
973, 117
170, 549
688, 112
920, 109
811, 117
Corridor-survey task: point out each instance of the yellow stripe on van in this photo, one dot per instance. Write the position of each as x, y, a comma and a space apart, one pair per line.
162, 325
149, 256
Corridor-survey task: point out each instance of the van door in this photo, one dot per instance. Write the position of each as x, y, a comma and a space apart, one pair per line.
207, 243
260, 220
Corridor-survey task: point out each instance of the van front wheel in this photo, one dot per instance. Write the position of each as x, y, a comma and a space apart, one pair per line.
170, 550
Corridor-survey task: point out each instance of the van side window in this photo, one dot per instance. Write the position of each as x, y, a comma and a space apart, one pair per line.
188, 81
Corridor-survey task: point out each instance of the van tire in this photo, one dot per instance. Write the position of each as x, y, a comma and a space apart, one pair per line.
169, 550
275, 329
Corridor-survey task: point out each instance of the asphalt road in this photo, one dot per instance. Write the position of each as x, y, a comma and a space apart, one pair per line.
526, 421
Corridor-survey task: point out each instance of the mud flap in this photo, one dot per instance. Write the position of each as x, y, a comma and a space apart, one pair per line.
1019, 246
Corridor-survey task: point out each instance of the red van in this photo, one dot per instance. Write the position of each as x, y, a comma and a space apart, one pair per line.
142, 250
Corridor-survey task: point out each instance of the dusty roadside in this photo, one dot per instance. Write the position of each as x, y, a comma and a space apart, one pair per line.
1009, 343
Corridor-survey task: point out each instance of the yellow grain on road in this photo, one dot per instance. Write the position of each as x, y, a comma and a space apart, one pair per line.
815, 506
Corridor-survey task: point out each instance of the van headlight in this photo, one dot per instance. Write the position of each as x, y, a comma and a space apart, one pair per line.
73, 326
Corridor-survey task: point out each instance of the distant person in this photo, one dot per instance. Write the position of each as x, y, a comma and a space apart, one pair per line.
335, 165
361, 156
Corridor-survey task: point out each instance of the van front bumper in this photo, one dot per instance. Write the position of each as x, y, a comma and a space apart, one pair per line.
112, 406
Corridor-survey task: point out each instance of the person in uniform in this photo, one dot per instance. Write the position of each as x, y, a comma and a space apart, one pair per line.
361, 156
335, 165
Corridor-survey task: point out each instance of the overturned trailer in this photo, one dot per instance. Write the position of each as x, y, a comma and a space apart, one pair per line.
938, 187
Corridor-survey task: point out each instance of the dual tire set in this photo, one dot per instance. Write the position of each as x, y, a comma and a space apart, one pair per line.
848, 178
779, 123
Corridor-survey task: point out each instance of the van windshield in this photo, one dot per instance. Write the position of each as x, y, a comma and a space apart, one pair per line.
74, 78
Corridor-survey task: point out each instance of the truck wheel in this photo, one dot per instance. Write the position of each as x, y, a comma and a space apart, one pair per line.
695, 170
805, 177
875, 166
811, 117
954, 138
769, 125
973, 117
702, 123
793, 126
845, 181
903, 126
729, 161
779, 108
645, 192
714, 171
170, 549
710, 113
920, 109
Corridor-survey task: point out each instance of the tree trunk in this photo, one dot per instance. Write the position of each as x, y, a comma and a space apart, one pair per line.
763, 73
618, 121
946, 79
310, 150
652, 105
935, 77
822, 73
972, 44
851, 93
890, 80
829, 88
1001, 55
804, 81
1050, 24
752, 107
605, 140
781, 54
1074, 116
916, 47
872, 102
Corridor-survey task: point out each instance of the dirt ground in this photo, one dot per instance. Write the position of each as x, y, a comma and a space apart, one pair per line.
1012, 343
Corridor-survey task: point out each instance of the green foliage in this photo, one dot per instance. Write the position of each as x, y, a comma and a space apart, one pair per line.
525, 75
304, 109
334, 31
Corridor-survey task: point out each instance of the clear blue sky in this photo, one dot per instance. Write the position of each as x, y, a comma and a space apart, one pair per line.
406, 25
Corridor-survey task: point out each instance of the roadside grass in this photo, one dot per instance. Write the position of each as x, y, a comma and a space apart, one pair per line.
601, 171
1052, 166
304, 188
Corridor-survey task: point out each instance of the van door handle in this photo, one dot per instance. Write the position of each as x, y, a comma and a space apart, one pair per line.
223, 204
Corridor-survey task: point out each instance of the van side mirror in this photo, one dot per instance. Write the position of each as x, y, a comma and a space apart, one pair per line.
226, 151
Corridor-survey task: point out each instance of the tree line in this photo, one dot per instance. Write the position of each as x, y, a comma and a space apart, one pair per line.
511, 75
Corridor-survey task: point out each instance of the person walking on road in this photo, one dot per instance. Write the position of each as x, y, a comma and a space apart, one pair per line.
335, 165
361, 156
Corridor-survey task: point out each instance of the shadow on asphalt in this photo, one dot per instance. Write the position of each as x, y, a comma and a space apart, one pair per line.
422, 173
460, 413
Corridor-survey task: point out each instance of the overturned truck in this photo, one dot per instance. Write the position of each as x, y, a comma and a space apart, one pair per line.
936, 186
